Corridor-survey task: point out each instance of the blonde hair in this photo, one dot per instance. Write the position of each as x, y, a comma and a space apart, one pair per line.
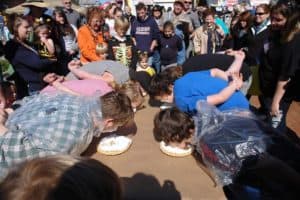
101, 48
122, 23
133, 90
58, 176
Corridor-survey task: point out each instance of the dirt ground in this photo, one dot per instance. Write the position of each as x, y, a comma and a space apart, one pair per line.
149, 174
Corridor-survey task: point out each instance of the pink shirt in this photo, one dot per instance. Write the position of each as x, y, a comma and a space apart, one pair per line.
85, 87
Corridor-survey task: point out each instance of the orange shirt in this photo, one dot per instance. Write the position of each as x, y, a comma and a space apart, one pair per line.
87, 44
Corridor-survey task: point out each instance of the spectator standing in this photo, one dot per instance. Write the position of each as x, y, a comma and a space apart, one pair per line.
183, 26
72, 15
28, 65
121, 47
90, 34
110, 19
209, 37
258, 35
169, 45
279, 69
145, 31
193, 15
66, 36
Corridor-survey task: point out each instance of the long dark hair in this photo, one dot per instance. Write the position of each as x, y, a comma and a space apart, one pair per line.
62, 29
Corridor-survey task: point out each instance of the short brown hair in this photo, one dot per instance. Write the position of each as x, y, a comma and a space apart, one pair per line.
141, 6
160, 83
208, 11
117, 106
172, 125
265, 7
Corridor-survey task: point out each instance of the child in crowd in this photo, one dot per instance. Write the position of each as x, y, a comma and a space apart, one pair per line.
59, 177
44, 44
101, 50
143, 65
169, 45
121, 47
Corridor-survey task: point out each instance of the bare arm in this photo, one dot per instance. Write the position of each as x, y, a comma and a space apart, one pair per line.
215, 72
153, 45
59, 86
236, 65
49, 45
226, 93
280, 91
74, 67
85, 75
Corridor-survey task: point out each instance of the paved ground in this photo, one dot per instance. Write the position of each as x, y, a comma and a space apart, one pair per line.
149, 174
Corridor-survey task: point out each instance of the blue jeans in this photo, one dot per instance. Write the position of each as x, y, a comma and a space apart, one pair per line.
181, 54
156, 61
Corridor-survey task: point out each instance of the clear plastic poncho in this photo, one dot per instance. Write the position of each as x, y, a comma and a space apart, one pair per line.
225, 139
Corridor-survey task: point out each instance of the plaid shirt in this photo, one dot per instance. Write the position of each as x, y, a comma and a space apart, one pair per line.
46, 125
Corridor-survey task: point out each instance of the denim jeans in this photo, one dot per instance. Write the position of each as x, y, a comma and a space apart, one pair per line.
181, 57
156, 61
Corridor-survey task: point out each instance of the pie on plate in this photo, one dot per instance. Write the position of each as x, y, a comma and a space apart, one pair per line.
114, 145
174, 151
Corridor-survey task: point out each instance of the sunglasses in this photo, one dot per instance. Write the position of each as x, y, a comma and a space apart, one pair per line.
188, 2
260, 13
69, 2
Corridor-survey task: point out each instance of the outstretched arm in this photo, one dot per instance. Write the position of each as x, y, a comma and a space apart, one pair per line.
215, 72
280, 91
59, 86
236, 65
74, 67
225, 94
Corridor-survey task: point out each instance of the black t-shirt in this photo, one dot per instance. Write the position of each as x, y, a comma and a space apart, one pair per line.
209, 61
270, 65
291, 68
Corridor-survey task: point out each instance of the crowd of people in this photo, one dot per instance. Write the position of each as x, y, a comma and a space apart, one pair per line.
77, 75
